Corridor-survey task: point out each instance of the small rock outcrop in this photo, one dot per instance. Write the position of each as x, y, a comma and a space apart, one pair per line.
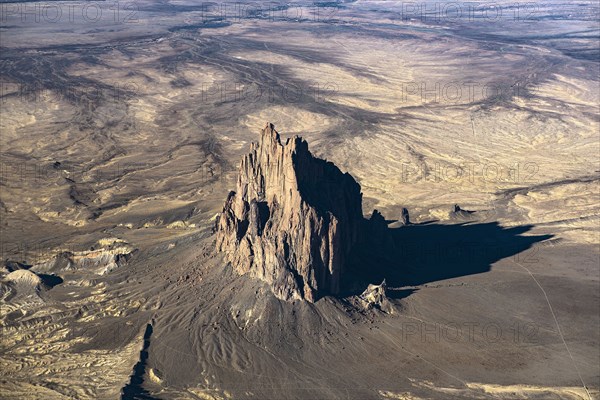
107, 256
377, 233
459, 213
25, 278
292, 220
404, 217
375, 297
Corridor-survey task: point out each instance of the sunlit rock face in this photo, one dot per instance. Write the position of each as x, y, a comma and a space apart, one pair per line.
292, 220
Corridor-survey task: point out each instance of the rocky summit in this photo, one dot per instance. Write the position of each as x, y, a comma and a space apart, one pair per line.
292, 220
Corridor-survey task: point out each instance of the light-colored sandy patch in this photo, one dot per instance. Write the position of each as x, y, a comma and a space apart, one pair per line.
526, 391
210, 394
386, 394
492, 391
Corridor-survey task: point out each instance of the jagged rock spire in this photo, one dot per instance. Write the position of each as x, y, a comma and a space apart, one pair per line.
292, 220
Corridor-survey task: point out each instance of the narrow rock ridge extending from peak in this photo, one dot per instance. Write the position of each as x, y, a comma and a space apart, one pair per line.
292, 220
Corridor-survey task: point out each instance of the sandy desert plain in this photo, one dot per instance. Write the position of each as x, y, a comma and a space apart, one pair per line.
122, 126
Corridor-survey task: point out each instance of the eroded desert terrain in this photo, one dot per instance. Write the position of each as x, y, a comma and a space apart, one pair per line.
122, 127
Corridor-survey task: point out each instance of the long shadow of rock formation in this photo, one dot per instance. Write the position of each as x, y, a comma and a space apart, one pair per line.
418, 254
134, 390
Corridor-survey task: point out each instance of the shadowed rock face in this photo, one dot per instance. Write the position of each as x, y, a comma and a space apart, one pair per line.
292, 220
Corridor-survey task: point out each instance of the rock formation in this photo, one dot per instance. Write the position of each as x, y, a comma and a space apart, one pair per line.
25, 278
459, 213
375, 296
404, 217
109, 255
376, 233
293, 219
